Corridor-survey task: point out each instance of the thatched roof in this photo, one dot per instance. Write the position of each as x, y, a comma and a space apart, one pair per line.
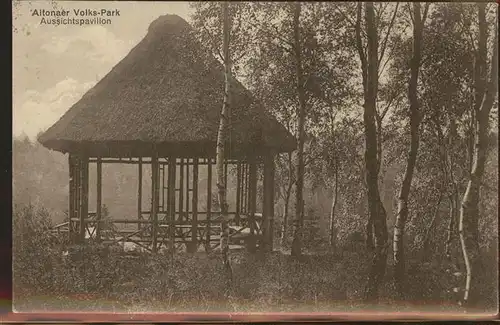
166, 94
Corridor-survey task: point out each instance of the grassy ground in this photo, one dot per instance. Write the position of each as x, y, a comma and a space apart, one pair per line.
192, 283
94, 278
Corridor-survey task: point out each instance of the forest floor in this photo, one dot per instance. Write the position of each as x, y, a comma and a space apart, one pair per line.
192, 283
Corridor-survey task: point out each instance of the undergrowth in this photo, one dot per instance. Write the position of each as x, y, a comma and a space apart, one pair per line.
194, 282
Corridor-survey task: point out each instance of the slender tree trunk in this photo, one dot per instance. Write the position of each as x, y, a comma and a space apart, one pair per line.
470, 140
284, 232
333, 230
370, 244
480, 71
446, 147
375, 208
469, 212
402, 214
221, 143
453, 200
299, 208
378, 121
425, 246
452, 184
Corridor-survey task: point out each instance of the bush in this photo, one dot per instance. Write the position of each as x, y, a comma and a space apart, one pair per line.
33, 252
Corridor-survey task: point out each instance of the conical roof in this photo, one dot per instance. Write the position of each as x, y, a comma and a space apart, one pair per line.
165, 95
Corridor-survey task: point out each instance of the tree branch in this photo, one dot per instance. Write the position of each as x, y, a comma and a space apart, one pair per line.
411, 14
239, 57
391, 100
380, 71
215, 48
270, 35
426, 10
359, 46
353, 25
391, 24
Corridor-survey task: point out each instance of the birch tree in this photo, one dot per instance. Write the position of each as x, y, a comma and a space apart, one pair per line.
376, 210
221, 144
446, 99
486, 93
414, 114
211, 20
326, 68
333, 231
387, 22
299, 192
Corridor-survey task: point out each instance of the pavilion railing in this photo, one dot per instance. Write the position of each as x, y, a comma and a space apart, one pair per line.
139, 231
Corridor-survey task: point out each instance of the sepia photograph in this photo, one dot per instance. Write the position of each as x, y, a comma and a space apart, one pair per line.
316, 158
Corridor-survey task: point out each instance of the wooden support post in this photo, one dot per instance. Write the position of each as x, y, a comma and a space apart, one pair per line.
78, 197
98, 199
209, 204
244, 192
154, 200
238, 193
72, 196
268, 203
139, 194
84, 203
167, 208
272, 193
171, 203
187, 189
225, 174
247, 189
194, 219
163, 188
265, 207
252, 198
181, 190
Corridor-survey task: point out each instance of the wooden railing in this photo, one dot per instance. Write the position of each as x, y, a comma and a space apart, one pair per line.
207, 231
60, 228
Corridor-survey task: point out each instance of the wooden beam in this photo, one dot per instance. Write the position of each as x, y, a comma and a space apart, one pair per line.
194, 218
238, 192
145, 161
139, 193
72, 195
171, 203
272, 193
78, 197
187, 188
154, 200
225, 174
268, 203
232, 213
124, 162
133, 221
162, 186
209, 203
265, 208
243, 188
84, 203
247, 187
98, 199
252, 198
181, 189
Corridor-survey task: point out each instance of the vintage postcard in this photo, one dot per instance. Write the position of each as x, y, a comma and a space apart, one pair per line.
248, 159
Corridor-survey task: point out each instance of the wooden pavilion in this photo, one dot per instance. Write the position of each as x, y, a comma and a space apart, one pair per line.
160, 106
